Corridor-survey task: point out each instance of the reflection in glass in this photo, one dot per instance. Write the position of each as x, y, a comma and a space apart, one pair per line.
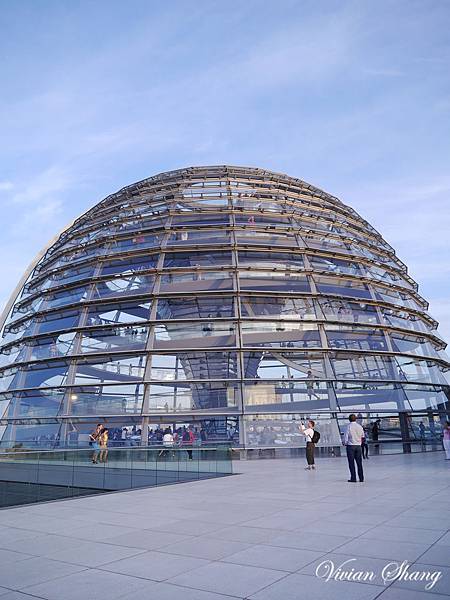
272, 260
111, 314
36, 403
128, 265
350, 338
343, 310
204, 307
66, 319
283, 334
53, 374
364, 367
196, 281
342, 287
117, 369
197, 259
283, 365
105, 400
131, 285
413, 345
206, 334
193, 396
287, 308
194, 365
273, 281
127, 338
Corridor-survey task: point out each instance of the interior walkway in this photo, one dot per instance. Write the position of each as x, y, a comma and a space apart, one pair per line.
260, 535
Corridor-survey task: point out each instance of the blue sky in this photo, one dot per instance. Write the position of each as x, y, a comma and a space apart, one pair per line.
353, 97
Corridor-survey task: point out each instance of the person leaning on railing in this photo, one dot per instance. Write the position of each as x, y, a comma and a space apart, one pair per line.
187, 439
168, 443
103, 442
94, 442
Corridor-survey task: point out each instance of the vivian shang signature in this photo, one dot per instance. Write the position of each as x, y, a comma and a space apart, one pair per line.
392, 571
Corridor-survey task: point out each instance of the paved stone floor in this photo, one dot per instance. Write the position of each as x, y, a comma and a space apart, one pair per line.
261, 535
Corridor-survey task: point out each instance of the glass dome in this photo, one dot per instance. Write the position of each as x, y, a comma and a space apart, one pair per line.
231, 297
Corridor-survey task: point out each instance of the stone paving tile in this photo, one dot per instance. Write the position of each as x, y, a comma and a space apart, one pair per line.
148, 539
94, 554
17, 596
444, 540
44, 545
30, 522
100, 531
295, 586
401, 534
155, 565
12, 556
9, 535
86, 517
382, 549
360, 519
328, 526
91, 584
270, 557
394, 593
436, 555
280, 522
417, 523
440, 587
236, 533
204, 547
317, 542
228, 579
167, 591
38, 569
194, 527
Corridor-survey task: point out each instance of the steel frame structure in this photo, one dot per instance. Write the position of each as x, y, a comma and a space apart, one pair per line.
213, 294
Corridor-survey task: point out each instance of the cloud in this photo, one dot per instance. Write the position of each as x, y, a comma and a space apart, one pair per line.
6, 186
37, 202
43, 186
440, 310
383, 72
300, 53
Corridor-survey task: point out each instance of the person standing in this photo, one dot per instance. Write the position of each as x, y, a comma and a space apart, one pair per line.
422, 434
422, 430
94, 442
123, 436
103, 442
168, 443
310, 386
352, 441
446, 440
187, 439
375, 433
309, 432
365, 446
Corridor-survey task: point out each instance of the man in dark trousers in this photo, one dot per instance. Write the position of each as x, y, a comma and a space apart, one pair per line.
352, 441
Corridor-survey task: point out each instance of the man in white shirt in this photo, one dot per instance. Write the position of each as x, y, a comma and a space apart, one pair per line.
168, 443
352, 441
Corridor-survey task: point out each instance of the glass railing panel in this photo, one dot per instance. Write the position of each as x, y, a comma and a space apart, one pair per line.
32, 476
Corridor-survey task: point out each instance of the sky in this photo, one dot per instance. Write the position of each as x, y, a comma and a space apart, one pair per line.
353, 97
